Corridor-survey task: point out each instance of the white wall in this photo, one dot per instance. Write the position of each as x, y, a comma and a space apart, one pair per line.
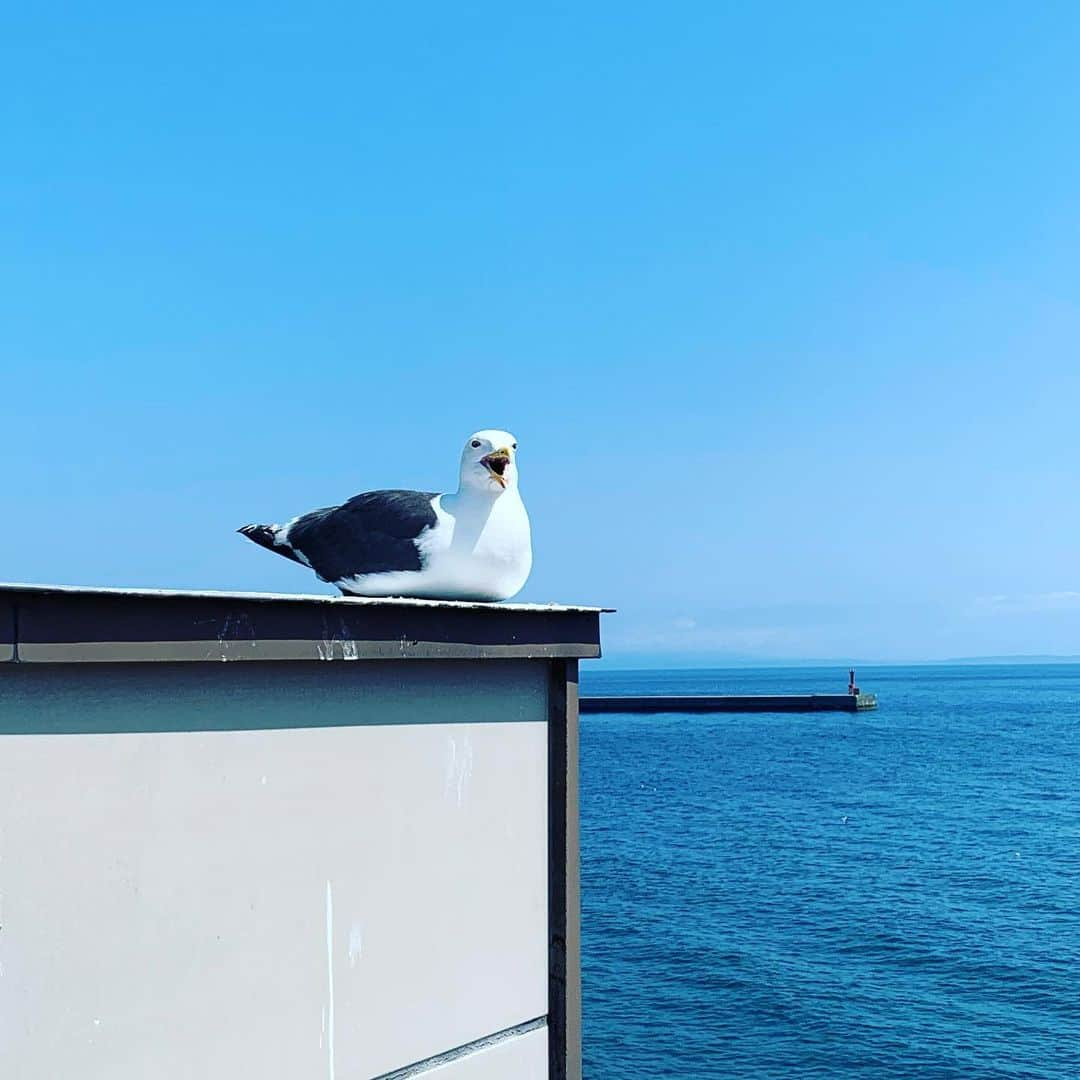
301, 902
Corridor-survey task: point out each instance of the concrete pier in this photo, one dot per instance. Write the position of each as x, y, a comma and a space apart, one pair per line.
730, 703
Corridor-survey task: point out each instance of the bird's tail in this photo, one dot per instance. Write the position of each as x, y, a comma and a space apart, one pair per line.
266, 536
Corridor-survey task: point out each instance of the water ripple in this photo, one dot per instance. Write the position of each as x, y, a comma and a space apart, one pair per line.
896, 894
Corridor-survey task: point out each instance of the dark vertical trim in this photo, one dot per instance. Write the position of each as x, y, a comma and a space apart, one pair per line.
564, 885
573, 878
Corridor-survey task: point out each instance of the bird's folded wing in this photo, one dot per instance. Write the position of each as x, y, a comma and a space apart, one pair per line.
370, 534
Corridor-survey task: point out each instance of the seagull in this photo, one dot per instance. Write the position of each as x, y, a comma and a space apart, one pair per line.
474, 544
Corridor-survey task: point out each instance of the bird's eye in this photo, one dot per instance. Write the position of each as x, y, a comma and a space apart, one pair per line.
475, 444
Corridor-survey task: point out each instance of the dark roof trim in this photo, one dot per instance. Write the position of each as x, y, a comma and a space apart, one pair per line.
7, 631
41, 625
24, 589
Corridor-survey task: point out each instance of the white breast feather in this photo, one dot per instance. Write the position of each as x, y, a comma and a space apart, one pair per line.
478, 549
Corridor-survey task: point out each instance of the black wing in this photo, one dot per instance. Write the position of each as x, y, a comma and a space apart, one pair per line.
370, 534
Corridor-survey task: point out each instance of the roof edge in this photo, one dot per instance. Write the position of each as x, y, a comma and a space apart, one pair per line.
39, 589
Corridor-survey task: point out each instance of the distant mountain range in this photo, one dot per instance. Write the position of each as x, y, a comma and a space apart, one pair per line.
1021, 659
617, 659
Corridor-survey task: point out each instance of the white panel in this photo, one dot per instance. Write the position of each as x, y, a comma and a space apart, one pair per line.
521, 1058
328, 902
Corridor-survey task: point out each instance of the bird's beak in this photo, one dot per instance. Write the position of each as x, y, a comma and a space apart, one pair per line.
496, 463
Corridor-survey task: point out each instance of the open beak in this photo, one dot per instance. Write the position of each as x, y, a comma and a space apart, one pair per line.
496, 463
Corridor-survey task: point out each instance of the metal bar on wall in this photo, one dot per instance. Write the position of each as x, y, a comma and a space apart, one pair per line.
564, 883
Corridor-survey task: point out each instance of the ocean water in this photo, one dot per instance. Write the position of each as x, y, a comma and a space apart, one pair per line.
889, 894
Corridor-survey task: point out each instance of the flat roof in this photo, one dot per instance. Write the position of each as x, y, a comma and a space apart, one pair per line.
43, 623
319, 598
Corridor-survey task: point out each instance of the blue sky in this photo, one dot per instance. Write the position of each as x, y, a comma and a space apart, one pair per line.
782, 302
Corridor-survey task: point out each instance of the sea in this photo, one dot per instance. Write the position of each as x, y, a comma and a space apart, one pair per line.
885, 894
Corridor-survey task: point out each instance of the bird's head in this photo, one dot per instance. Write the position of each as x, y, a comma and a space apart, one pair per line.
488, 462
